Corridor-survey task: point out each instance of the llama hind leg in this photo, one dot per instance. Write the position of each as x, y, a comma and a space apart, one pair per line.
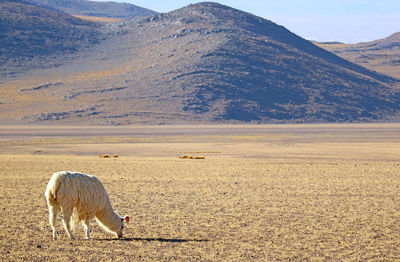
87, 230
66, 221
53, 210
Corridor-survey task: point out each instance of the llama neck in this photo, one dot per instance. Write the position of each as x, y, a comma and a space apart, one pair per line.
109, 219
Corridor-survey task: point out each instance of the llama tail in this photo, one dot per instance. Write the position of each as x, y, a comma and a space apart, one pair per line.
52, 187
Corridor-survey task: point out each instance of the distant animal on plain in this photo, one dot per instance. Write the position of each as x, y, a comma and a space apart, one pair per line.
81, 197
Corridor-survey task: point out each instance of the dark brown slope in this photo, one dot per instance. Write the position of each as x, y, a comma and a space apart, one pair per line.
277, 75
203, 63
93, 8
32, 36
381, 55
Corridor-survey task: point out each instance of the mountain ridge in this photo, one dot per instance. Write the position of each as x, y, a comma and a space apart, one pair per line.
31, 35
94, 8
382, 55
204, 63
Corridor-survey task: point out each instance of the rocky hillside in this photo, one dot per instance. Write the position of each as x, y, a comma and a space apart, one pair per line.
32, 36
93, 8
381, 55
204, 63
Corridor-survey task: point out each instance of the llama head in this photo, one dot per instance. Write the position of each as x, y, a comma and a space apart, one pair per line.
121, 229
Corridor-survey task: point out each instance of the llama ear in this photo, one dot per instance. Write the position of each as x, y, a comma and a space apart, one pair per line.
126, 219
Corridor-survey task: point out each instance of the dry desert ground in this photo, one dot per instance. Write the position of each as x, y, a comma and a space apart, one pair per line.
261, 193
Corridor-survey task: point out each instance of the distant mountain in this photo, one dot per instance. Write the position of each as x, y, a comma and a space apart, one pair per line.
29, 32
381, 55
205, 63
93, 8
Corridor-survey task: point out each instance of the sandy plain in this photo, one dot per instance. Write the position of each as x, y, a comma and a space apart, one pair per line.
262, 193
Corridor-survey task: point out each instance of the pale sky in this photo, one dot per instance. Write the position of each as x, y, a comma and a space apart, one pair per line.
348, 21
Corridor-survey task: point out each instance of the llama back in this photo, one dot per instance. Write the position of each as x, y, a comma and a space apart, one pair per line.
88, 193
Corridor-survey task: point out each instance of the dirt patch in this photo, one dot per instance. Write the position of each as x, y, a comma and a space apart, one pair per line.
226, 207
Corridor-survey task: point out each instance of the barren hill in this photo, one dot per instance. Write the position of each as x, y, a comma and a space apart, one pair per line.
199, 64
381, 55
32, 36
93, 8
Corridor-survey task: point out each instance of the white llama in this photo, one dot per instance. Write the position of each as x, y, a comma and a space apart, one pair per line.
81, 197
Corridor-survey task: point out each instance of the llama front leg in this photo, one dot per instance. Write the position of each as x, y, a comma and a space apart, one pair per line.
86, 226
52, 219
66, 221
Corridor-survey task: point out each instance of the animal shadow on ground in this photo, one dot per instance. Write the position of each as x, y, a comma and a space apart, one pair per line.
170, 240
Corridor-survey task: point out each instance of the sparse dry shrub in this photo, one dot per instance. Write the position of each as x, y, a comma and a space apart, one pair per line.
105, 156
186, 157
191, 157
